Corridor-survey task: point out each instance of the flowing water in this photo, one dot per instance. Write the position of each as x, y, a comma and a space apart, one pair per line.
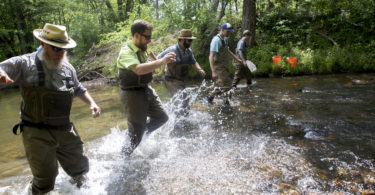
295, 135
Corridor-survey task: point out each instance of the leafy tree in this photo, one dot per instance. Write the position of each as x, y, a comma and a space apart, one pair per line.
325, 35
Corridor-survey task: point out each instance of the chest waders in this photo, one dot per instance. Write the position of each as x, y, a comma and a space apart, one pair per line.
131, 81
45, 108
179, 69
221, 59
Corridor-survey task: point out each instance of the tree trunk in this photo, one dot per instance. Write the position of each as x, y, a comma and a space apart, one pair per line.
120, 9
221, 15
101, 20
249, 18
157, 8
60, 13
20, 23
141, 2
129, 8
205, 45
111, 11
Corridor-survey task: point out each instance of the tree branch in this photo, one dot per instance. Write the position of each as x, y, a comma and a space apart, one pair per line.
328, 38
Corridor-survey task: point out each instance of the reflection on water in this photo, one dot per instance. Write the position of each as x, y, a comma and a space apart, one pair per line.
302, 135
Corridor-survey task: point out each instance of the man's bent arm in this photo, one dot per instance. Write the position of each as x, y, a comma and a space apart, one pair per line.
144, 68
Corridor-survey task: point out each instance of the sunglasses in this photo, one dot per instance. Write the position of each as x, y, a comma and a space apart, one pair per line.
189, 40
56, 49
148, 37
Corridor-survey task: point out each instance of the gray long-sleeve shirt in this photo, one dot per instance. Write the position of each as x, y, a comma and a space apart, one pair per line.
241, 48
23, 71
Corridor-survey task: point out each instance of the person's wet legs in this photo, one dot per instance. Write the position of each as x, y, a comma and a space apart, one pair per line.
70, 155
242, 72
135, 105
156, 113
248, 76
135, 132
237, 75
40, 148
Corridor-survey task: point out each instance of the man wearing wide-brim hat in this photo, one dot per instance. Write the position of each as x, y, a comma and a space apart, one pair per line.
48, 84
176, 73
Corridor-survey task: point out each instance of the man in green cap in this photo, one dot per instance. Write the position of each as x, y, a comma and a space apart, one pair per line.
48, 85
219, 63
175, 73
135, 73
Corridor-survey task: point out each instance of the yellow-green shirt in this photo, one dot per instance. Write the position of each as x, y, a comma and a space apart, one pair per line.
127, 57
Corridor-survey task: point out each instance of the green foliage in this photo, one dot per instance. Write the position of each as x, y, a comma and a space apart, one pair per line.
120, 35
82, 19
326, 36
309, 61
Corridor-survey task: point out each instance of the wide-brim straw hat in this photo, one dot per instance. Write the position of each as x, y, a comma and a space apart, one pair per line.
55, 35
186, 34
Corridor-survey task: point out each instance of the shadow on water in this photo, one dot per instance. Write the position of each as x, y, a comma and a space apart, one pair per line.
299, 135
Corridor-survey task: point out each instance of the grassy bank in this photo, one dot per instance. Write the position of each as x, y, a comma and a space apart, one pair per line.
309, 61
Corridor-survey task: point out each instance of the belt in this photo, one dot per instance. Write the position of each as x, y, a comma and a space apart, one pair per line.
37, 125
169, 78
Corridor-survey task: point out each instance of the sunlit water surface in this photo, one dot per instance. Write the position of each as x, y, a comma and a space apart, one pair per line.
301, 135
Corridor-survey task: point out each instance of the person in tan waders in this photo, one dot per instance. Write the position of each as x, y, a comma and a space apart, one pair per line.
176, 73
242, 71
48, 84
219, 63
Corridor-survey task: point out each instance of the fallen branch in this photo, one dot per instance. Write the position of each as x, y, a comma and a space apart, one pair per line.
99, 74
82, 73
328, 38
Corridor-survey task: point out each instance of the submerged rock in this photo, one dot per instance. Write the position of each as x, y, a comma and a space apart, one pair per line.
367, 192
289, 131
289, 189
359, 82
348, 84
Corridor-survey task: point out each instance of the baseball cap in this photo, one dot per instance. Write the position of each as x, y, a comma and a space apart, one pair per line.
228, 27
246, 32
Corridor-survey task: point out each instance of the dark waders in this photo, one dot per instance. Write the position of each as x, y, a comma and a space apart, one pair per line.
48, 136
140, 101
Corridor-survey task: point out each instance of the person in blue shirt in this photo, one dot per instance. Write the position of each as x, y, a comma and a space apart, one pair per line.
175, 73
219, 63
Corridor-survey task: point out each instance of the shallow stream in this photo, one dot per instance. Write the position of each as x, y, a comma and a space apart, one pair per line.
301, 135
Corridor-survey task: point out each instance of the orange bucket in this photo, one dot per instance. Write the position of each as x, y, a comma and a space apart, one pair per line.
292, 61
276, 60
